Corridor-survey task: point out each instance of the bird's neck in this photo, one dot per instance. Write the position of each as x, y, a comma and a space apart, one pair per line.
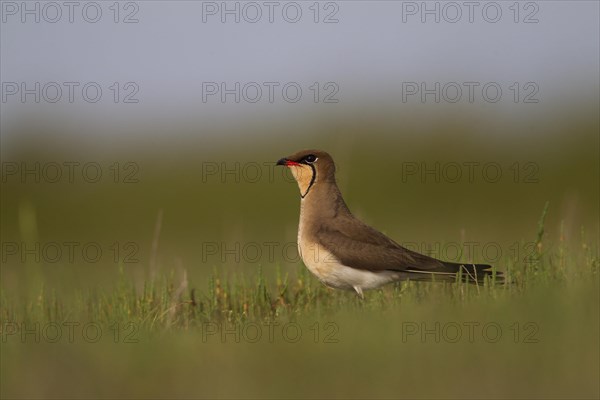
324, 200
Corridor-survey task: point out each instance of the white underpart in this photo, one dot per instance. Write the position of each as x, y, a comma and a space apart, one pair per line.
328, 268
325, 266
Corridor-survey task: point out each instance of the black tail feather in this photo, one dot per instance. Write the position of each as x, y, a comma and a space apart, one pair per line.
469, 273
477, 273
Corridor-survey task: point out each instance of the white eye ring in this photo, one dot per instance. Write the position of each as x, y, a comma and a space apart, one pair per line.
311, 158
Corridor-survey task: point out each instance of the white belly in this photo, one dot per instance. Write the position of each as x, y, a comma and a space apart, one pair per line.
325, 266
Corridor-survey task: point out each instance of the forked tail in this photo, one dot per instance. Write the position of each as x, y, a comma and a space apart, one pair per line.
469, 273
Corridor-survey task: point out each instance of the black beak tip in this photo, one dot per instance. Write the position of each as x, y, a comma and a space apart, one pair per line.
282, 161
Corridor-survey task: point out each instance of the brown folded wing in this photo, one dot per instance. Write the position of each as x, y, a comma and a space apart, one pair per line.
357, 245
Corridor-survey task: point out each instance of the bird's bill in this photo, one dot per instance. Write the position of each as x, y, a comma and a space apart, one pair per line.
288, 163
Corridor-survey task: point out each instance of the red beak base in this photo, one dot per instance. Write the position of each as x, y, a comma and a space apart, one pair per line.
287, 163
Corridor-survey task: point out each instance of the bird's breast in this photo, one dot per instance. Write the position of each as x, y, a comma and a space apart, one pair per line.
319, 261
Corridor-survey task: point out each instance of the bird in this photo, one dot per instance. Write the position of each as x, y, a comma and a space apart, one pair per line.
345, 253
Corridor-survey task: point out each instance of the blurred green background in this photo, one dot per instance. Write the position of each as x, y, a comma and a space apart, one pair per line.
183, 202
196, 229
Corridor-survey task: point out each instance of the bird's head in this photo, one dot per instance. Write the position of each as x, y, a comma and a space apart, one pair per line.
309, 168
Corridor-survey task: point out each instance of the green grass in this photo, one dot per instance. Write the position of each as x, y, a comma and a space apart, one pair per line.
286, 335
178, 324
172, 302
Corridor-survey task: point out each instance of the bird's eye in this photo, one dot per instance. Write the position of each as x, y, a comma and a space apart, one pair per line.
311, 158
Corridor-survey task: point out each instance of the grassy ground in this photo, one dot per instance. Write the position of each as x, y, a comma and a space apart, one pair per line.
289, 336
179, 306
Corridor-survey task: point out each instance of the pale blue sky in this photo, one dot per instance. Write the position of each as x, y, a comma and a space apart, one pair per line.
368, 53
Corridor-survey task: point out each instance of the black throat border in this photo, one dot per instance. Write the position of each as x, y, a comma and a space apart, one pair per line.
312, 180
